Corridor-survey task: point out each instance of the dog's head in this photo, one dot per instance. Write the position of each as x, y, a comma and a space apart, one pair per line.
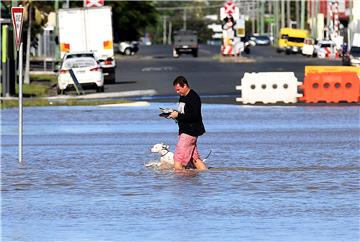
159, 148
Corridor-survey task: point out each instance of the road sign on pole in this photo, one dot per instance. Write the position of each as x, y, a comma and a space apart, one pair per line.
17, 14
93, 3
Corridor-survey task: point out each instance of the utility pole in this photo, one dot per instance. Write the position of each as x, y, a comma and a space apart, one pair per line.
302, 19
297, 10
313, 27
170, 32
276, 21
253, 14
258, 17
184, 19
288, 14
282, 13
164, 30
56, 29
262, 16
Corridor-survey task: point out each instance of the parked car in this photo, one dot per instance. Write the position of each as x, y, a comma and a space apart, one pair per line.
145, 41
128, 47
324, 48
354, 56
308, 48
87, 71
261, 39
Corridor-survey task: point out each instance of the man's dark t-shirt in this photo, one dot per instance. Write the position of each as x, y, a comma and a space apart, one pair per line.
189, 118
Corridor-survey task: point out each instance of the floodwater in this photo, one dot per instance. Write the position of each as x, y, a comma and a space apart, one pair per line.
278, 174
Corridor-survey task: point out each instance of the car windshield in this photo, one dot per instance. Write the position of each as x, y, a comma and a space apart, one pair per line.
355, 51
262, 38
325, 45
79, 63
295, 39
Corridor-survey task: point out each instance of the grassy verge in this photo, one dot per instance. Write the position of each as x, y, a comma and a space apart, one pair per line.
44, 85
40, 86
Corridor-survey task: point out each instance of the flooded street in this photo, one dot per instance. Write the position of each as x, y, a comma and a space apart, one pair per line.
281, 173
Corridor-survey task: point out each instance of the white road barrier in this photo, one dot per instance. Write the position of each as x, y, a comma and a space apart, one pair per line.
269, 87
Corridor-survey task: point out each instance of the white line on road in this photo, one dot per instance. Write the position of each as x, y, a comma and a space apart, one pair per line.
147, 92
162, 68
132, 104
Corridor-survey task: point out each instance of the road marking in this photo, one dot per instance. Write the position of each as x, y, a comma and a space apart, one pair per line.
131, 104
147, 92
163, 68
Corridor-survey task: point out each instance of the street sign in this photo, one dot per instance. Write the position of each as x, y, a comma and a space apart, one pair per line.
229, 8
93, 3
17, 14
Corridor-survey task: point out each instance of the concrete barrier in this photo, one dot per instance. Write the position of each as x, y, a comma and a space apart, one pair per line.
331, 87
269, 87
319, 69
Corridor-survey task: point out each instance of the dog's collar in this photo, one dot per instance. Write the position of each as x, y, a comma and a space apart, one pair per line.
165, 153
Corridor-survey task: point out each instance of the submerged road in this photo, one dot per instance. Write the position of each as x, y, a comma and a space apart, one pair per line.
153, 68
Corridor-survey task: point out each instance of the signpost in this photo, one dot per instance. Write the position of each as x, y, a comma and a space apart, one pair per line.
93, 3
17, 16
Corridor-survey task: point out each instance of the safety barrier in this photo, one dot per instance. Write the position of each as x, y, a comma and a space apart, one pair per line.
331, 87
319, 69
269, 87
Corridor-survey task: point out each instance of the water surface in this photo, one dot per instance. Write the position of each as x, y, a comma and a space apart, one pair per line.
278, 174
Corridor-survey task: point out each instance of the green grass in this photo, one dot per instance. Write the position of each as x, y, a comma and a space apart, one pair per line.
44, 85
41, 85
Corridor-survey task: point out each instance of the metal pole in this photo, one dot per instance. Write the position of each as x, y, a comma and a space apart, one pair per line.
184, 19
164, 30
262, 9
56, 29
288, 14
276, 21
282, 13
4, 60
170, 30
20, 103
253, 17
302, 26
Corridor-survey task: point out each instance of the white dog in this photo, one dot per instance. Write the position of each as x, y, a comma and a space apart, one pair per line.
166, 158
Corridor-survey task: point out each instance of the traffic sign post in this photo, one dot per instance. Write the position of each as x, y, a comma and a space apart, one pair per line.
17, 15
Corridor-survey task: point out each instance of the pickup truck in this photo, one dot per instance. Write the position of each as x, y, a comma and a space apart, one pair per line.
185, 42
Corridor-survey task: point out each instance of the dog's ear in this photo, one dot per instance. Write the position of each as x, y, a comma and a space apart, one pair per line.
167, 147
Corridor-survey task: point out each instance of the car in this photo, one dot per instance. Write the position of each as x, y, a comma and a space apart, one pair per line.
308, 48
86, 69
145, 41
324, 48
354, 56
128, 47
185, 42
261, 39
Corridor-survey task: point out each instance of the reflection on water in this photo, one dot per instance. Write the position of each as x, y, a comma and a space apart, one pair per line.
277, 174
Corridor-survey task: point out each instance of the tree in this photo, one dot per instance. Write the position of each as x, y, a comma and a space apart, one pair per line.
131, 18
34, 18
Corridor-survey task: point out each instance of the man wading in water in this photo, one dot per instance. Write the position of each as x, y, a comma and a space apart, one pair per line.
190, 124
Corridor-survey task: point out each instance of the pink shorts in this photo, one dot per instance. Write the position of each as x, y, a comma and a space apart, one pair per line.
186, 149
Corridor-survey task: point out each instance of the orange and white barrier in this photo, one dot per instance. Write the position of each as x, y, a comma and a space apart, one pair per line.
227, 49
319, 69
331, 87
269, 87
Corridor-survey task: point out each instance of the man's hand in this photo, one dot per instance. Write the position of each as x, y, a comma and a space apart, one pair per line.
173, 115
